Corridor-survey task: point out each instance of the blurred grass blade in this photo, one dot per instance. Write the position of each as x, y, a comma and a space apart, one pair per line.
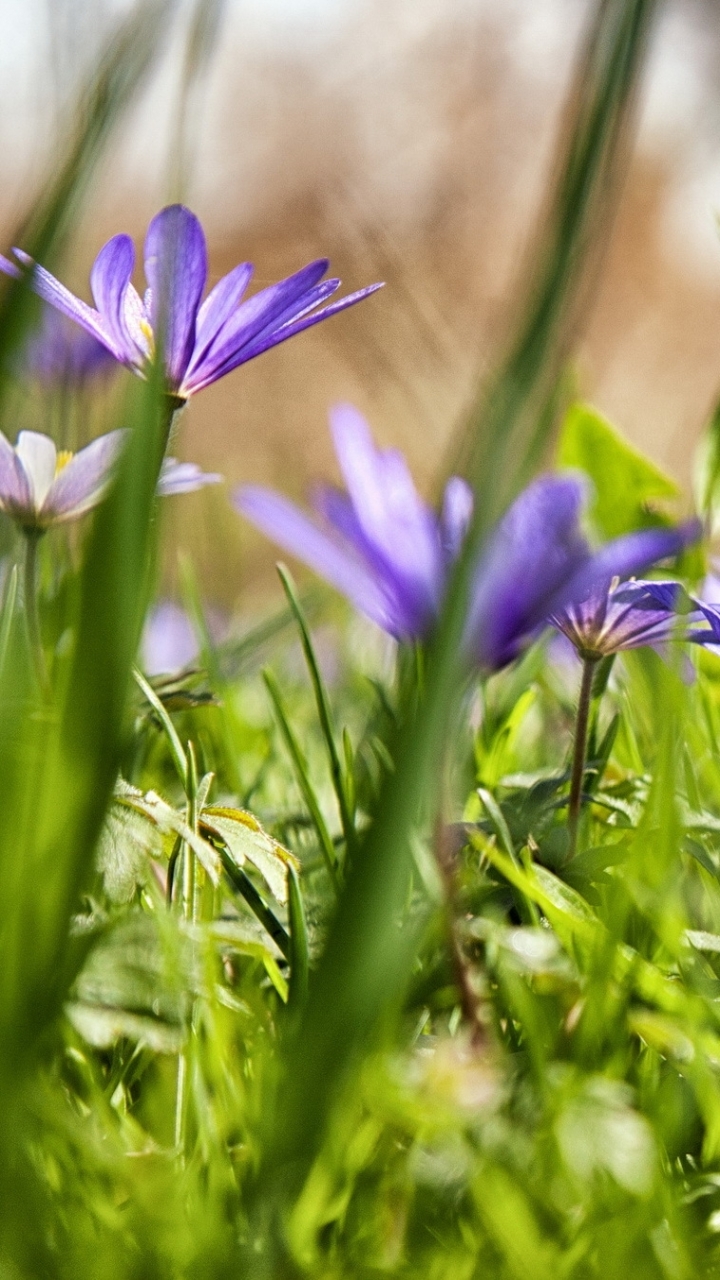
59, 764
324, 711
299, 945
177, 752
202, 37
101, 103
8, 614
367, 959
301, 773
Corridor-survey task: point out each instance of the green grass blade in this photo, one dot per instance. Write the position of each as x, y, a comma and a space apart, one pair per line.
324, 710
299, 943
301, 773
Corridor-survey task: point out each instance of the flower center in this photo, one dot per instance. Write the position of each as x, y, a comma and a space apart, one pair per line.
64, 456
147, 333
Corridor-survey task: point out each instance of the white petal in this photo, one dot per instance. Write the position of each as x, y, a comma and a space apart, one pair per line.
38, 456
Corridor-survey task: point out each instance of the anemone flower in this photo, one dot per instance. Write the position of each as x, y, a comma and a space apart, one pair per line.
60, 352
378, 542
200, 341
390, 554
40, 486
608, 617
183, 477
169, 642
626, 615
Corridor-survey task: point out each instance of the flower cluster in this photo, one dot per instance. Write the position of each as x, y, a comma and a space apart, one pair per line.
384, 548
377, 541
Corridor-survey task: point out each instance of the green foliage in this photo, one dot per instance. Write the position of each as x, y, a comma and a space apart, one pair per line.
626, 483
300, 976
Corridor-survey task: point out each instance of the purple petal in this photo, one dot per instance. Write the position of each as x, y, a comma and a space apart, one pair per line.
711, 614
81, 484
218, 307
409, 611
299, 535
9, 268
176, 271
399, 526
273, 337
169, 642
247, 321
624, 557
50, 290
61, 351
183, 477
15, 492
534, 550
109, 280
456, 515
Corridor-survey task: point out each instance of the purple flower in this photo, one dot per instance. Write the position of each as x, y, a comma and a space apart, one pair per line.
169, 642
200, 341
40, 487
538, 563
183, 477
378, 542
59, 352
626, 615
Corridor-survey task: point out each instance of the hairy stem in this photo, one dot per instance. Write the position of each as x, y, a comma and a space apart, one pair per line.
32, 539
578, 768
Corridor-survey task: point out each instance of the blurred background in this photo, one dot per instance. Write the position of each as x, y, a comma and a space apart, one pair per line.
409, 141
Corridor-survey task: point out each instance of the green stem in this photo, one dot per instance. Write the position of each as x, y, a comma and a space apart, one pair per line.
32, 538
189, 914
578, 768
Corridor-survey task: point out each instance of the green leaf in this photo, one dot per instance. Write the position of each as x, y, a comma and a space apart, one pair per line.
162, 815
247, 841
626, 482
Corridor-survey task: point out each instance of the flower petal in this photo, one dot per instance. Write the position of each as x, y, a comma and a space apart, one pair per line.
183, 477
396, 522
109, 281
81, 484
247, 321
169, 642
38, 456
272, 337
408, 612
218, 307
622, 557
456, 514
176, 271
532, 553
52, 291
303, 538
15, 492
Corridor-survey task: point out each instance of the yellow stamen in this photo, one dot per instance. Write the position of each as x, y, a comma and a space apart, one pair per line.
146, 330
63, 458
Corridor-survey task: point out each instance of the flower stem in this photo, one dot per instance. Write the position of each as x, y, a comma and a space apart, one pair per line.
32, 539
189, 910
578, 768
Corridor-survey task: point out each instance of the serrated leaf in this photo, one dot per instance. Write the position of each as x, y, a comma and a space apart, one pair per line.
127, 842
136, 982
247, 841
167, 820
